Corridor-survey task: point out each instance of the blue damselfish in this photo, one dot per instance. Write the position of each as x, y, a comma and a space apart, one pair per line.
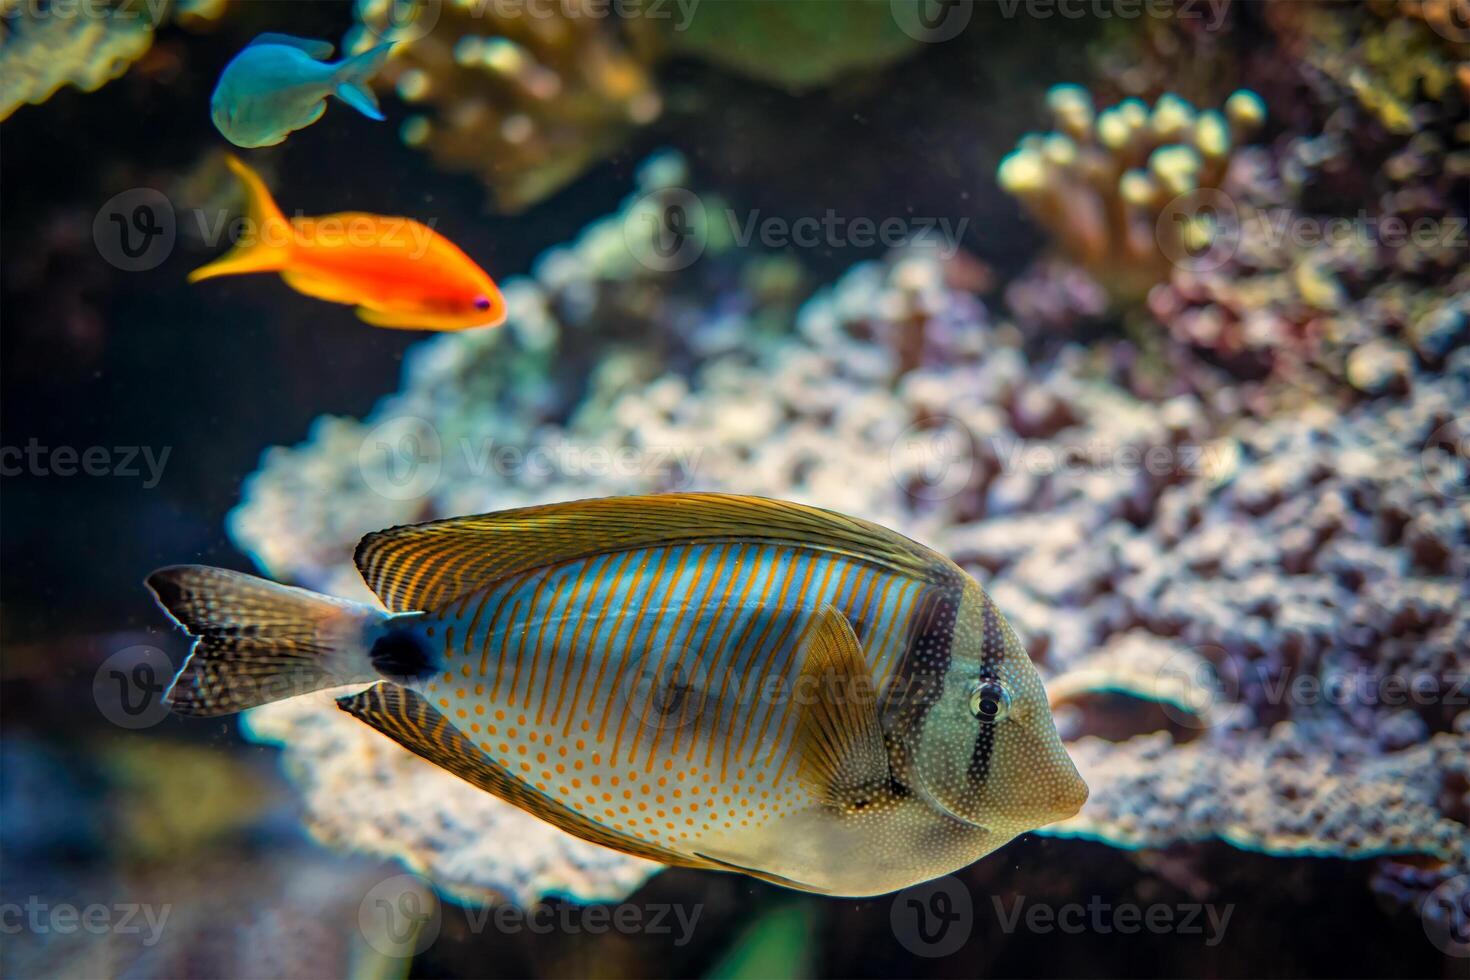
279, 84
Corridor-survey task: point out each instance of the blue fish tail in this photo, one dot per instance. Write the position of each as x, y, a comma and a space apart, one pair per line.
353, 75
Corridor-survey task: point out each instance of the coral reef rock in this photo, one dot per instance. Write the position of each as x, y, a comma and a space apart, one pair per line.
1288, 593
44, 47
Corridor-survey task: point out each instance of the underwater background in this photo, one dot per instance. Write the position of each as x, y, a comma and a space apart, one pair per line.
1154, 316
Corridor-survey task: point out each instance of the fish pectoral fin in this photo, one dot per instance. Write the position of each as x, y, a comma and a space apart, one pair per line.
318, 50
408, 719
723, 865
319, 287
393, 321
426, 566
842, 757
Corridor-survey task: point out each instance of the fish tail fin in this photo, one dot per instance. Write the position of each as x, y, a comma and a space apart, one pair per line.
258, 641
266, 246
353, 76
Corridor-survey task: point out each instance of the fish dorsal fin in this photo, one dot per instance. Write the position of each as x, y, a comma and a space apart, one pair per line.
318, 50
412, 722
427, 566
842, 757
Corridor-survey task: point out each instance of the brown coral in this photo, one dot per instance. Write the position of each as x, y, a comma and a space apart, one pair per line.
525, 96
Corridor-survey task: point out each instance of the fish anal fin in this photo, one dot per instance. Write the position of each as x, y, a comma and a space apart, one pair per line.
317, 50
391, 321
317, 113
842, 758
725, 865
427, 566
409, 719
361, 98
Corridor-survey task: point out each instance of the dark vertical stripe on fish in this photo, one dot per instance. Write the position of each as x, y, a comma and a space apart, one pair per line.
992, 649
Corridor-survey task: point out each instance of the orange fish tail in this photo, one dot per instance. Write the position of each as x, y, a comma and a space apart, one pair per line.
266, 245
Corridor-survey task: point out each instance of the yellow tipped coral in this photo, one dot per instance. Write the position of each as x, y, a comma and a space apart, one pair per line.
45, 48
1106, 185
42, 52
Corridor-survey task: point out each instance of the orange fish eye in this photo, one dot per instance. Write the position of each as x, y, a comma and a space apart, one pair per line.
482, 303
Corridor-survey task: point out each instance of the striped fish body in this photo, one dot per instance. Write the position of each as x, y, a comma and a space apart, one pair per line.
654, 690
716, 682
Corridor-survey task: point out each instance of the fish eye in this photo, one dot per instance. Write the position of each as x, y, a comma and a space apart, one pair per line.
482, 303
989, 702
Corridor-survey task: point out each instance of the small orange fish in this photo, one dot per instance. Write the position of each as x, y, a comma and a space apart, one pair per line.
397, 272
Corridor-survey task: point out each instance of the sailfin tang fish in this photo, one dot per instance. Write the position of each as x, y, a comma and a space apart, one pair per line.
279, 84
397, 272
706, 680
